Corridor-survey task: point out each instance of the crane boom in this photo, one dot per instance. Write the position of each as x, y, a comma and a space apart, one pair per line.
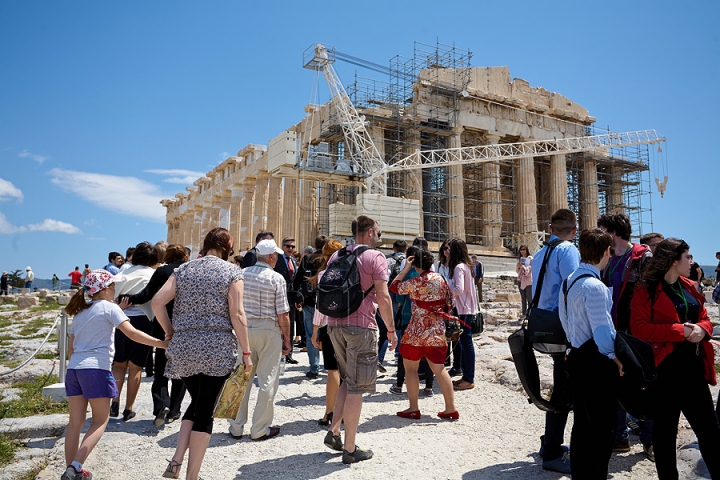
488, 153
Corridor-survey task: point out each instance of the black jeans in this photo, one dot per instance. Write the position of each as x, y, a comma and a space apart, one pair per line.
161, 397
555, 422
682, 388
204, 391
593, 382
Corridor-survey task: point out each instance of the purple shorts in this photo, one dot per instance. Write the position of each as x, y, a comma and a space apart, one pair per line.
90, 383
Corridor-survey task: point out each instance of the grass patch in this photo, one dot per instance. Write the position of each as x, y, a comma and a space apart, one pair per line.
31, 401
46, 307
5, 322
46, 356
34, 325
8, 448
34, 472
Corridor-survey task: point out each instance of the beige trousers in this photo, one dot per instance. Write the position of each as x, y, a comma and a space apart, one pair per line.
266, 349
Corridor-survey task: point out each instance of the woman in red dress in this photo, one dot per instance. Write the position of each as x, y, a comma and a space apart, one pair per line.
425, 334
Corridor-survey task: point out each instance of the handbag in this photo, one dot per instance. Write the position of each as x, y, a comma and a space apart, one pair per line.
231, 395
478, 324
544, 330
636, 389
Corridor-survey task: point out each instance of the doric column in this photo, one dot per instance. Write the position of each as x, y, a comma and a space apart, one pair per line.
456, 204
236, 202
527, 200
246, 233
413, 178
206, 222
290, 209
195, 237
224, 216
616, 189
590, 195
261, 198
558, 183
274, 206
492, 204
308, 214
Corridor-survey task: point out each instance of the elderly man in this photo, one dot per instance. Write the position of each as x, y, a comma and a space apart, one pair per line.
29, 277
266, 308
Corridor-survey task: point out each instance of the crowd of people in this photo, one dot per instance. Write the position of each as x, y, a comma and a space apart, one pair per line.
207, 315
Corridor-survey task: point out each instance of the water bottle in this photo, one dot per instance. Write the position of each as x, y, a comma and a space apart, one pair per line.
282, 365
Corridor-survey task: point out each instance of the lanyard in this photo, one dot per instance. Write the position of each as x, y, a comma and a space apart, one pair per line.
612, 270
681, 293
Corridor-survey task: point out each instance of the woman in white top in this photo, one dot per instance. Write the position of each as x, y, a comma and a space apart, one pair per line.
89, 378
462, 282
524, 277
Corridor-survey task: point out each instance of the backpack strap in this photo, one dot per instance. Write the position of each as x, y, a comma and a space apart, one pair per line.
567, 289
541, 276
356, 253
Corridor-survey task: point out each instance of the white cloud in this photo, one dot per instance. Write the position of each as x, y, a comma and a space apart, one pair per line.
48, 225
223, 156
8, 191
184, 177
127, 195
33, 156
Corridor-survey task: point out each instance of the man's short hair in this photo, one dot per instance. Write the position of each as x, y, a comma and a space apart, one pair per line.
473, 257
593, 245
287, 239
420, 242
563, 221
645, 239
400, 245
362, 224
617, 223
262, 234
112, 256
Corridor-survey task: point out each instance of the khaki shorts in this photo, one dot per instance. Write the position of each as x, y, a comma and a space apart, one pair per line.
356, 350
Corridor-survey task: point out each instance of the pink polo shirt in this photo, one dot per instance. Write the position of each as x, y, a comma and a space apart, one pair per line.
372, 266
464, 290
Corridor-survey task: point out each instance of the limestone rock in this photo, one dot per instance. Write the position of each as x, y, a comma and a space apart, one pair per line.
507, 297
43, 292
51, 299
34, 427
27, 301
64, 299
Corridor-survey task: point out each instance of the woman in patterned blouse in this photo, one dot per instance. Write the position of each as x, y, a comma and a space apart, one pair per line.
425, 335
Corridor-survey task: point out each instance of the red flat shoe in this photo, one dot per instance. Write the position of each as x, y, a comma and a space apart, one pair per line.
449, 416
415, 414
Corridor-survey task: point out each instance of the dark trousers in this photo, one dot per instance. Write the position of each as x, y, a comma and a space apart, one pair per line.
467, 350
593, 382
555, 422
204, 391
161, 397
682, 388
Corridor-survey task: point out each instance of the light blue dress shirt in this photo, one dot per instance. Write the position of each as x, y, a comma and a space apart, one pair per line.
564, 260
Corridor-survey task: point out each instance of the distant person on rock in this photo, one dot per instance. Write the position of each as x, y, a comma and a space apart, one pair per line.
56, 282
89, 378
86, 270
524, 279
115, 262
29, 277
75, 279
4, 283
479, 273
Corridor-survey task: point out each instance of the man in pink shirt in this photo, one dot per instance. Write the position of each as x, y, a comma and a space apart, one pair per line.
355, 340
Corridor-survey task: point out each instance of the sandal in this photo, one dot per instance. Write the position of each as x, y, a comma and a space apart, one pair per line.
172, 470
326, 420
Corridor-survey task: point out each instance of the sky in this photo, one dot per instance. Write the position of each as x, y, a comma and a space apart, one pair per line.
108, 107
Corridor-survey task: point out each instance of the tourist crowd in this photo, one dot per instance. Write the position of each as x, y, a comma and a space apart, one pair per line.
352, 303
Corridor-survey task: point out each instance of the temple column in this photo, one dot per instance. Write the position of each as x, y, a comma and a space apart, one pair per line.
224, 215
616, 189
290, 209
558, 183
246, 234
274, 206
308, 214
527, 200
195, 240
261, 198
456, 203
413, 179
236, 202
492, 200
591, 213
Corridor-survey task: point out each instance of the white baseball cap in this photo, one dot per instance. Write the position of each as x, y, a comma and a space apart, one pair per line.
266, 247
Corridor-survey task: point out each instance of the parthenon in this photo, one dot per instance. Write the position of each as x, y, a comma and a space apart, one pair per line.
303, 182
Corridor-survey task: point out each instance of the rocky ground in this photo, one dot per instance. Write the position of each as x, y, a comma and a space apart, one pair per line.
497, 435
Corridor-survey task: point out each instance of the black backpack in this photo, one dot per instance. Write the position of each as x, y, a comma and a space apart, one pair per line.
394, 262
339, 293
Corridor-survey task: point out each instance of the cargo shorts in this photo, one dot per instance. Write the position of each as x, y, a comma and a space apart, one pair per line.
356, 351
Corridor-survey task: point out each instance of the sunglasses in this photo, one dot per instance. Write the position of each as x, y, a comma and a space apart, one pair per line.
289, 246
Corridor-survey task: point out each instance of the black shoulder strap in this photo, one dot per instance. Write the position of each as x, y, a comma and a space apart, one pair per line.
541, 276
357, 253
567, 289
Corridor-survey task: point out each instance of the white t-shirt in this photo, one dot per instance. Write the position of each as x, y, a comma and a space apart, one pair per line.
94, 329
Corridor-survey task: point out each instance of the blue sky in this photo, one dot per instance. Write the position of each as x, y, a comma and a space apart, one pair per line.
107, 107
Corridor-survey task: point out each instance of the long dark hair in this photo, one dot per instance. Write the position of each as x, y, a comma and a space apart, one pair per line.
442, 258
666, 252
458, 255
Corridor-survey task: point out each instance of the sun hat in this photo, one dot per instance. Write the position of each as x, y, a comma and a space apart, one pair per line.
266, 247
99, 280
28, 268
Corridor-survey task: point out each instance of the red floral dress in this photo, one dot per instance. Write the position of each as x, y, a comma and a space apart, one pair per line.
426, 327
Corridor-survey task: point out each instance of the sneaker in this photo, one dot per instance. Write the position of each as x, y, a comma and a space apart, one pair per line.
128, 415
172, 418
114, 409
396, 390
333, 441
381, 369
160, 417
621, 446
72, 474
565, 448
560, 464
428, 392
454, 372
649, 451
312, 375
357, 456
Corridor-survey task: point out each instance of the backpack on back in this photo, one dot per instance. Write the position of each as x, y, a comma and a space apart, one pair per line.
339, 293
394, 261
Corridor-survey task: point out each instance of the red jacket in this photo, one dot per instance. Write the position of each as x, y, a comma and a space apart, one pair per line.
659, 324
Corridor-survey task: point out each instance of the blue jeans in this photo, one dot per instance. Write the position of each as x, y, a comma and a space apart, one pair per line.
312, 351
467, 350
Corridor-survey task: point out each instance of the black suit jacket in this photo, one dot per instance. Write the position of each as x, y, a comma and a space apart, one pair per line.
250, 258
282, 269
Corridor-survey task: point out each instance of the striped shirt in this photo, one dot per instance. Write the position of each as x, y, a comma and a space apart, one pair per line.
265, 295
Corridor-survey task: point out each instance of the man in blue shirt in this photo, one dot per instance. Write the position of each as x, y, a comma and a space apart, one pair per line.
116, 261
563, 260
